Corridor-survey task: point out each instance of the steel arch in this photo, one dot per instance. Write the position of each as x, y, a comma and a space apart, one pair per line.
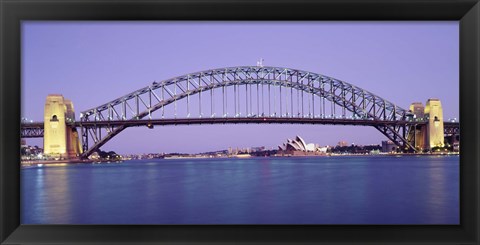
141, 103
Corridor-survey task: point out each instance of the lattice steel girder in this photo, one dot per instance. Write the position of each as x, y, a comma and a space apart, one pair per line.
359, 101
451, 130
31, 132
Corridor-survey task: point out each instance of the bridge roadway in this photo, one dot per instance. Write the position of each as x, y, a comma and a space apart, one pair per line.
35, 129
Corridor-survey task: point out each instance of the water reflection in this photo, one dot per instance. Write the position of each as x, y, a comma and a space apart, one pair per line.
50, 201
438, 191
322, 190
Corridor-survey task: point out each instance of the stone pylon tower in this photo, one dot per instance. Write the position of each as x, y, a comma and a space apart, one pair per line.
434, 117
429, 135
60, 140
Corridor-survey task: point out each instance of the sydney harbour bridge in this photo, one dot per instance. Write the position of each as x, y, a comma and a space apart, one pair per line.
245, 94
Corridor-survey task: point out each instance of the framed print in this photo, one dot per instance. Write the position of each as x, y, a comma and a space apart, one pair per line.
222, 122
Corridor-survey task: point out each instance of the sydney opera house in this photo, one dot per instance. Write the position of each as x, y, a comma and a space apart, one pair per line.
298, 147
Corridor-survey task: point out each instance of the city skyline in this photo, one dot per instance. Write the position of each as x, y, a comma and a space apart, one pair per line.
92, 63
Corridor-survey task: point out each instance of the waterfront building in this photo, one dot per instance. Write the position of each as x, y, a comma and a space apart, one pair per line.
323, 149
258, 148
456, 146
298, 146
388, 146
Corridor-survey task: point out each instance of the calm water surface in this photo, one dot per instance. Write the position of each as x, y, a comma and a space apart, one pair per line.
303, 190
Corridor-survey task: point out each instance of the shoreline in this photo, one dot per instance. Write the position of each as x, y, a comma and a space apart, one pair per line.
57, 162
88, 161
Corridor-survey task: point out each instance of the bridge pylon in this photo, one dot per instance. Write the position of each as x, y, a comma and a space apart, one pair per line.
60, 139
427, 130
435, 127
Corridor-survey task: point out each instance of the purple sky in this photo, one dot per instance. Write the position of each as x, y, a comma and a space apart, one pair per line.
94, 62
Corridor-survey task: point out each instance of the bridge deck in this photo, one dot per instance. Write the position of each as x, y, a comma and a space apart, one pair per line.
237, 120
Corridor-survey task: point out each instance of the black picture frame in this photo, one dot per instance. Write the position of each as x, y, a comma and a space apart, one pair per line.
12, 12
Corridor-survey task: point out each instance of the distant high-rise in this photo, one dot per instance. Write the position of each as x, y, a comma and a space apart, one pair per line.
418, 136
418, 110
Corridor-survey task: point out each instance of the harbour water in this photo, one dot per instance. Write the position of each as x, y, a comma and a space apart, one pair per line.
290, 190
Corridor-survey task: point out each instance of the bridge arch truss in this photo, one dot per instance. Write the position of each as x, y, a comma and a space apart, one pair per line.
245, 92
